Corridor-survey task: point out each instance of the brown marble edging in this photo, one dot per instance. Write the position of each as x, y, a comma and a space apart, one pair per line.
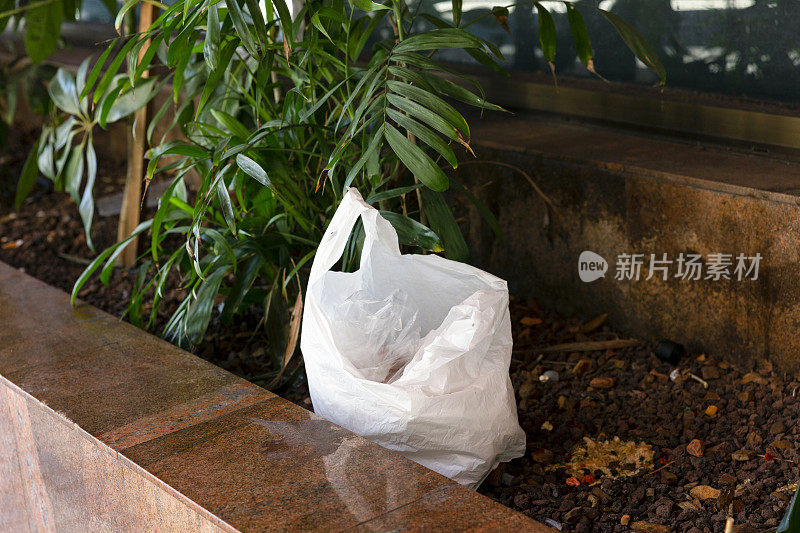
105, 426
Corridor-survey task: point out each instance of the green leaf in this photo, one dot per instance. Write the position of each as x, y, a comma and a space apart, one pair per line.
416, 160
424, 134
547, 35
637, 44
367, 5
412, 233
231, 124
127, 6
216, 75
73, 172
27, 178
424, 114
253, 169
43, 28
432, 102
211, 43
96, 70
444, 224
109, 254
391, 193
225, 203
285, 17
258, 21
199, 313
64, 92
112, 69
440, 39
241, 26
86, 207
244, 280
580, 35
457, 92
132, 100
373, 147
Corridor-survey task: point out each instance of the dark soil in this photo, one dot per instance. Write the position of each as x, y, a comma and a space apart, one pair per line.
756, 422
45, 239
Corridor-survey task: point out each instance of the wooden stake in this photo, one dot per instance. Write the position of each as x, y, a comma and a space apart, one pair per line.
132, 195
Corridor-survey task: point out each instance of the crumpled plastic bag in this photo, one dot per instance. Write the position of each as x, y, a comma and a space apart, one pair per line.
411, 351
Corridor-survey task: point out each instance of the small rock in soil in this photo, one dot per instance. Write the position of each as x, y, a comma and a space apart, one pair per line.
704, 492
752, 377
602, 382
745, 397
777, 428
753, 439
650, 527
695, 448
742, 455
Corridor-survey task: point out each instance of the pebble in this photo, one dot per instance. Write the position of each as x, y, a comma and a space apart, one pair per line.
752, 377
542, 455
777, 428
711, 411
782, 445
695, 448
704, 492
649, 527
754, 439
602, 382
742, 455
668, 478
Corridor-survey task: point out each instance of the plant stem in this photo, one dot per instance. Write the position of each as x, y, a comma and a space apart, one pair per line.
22, 9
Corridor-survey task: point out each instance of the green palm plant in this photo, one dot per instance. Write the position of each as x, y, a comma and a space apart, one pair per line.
279, 113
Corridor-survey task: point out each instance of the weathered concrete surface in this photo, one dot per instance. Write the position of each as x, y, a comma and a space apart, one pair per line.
627, 193
105, 427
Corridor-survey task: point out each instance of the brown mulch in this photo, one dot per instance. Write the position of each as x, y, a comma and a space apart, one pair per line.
749, 438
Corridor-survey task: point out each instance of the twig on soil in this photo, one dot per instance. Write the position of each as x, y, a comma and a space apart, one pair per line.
591, 346
659, 468
700, 380
774, 458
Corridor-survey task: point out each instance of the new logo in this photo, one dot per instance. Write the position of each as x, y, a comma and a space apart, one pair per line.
591, 266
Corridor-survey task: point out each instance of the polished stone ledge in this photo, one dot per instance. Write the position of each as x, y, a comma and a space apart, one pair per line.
105, 427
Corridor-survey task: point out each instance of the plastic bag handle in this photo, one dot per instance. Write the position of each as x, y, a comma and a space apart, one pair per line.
379, 233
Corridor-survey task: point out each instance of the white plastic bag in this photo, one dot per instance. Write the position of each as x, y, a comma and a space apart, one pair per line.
411, 351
